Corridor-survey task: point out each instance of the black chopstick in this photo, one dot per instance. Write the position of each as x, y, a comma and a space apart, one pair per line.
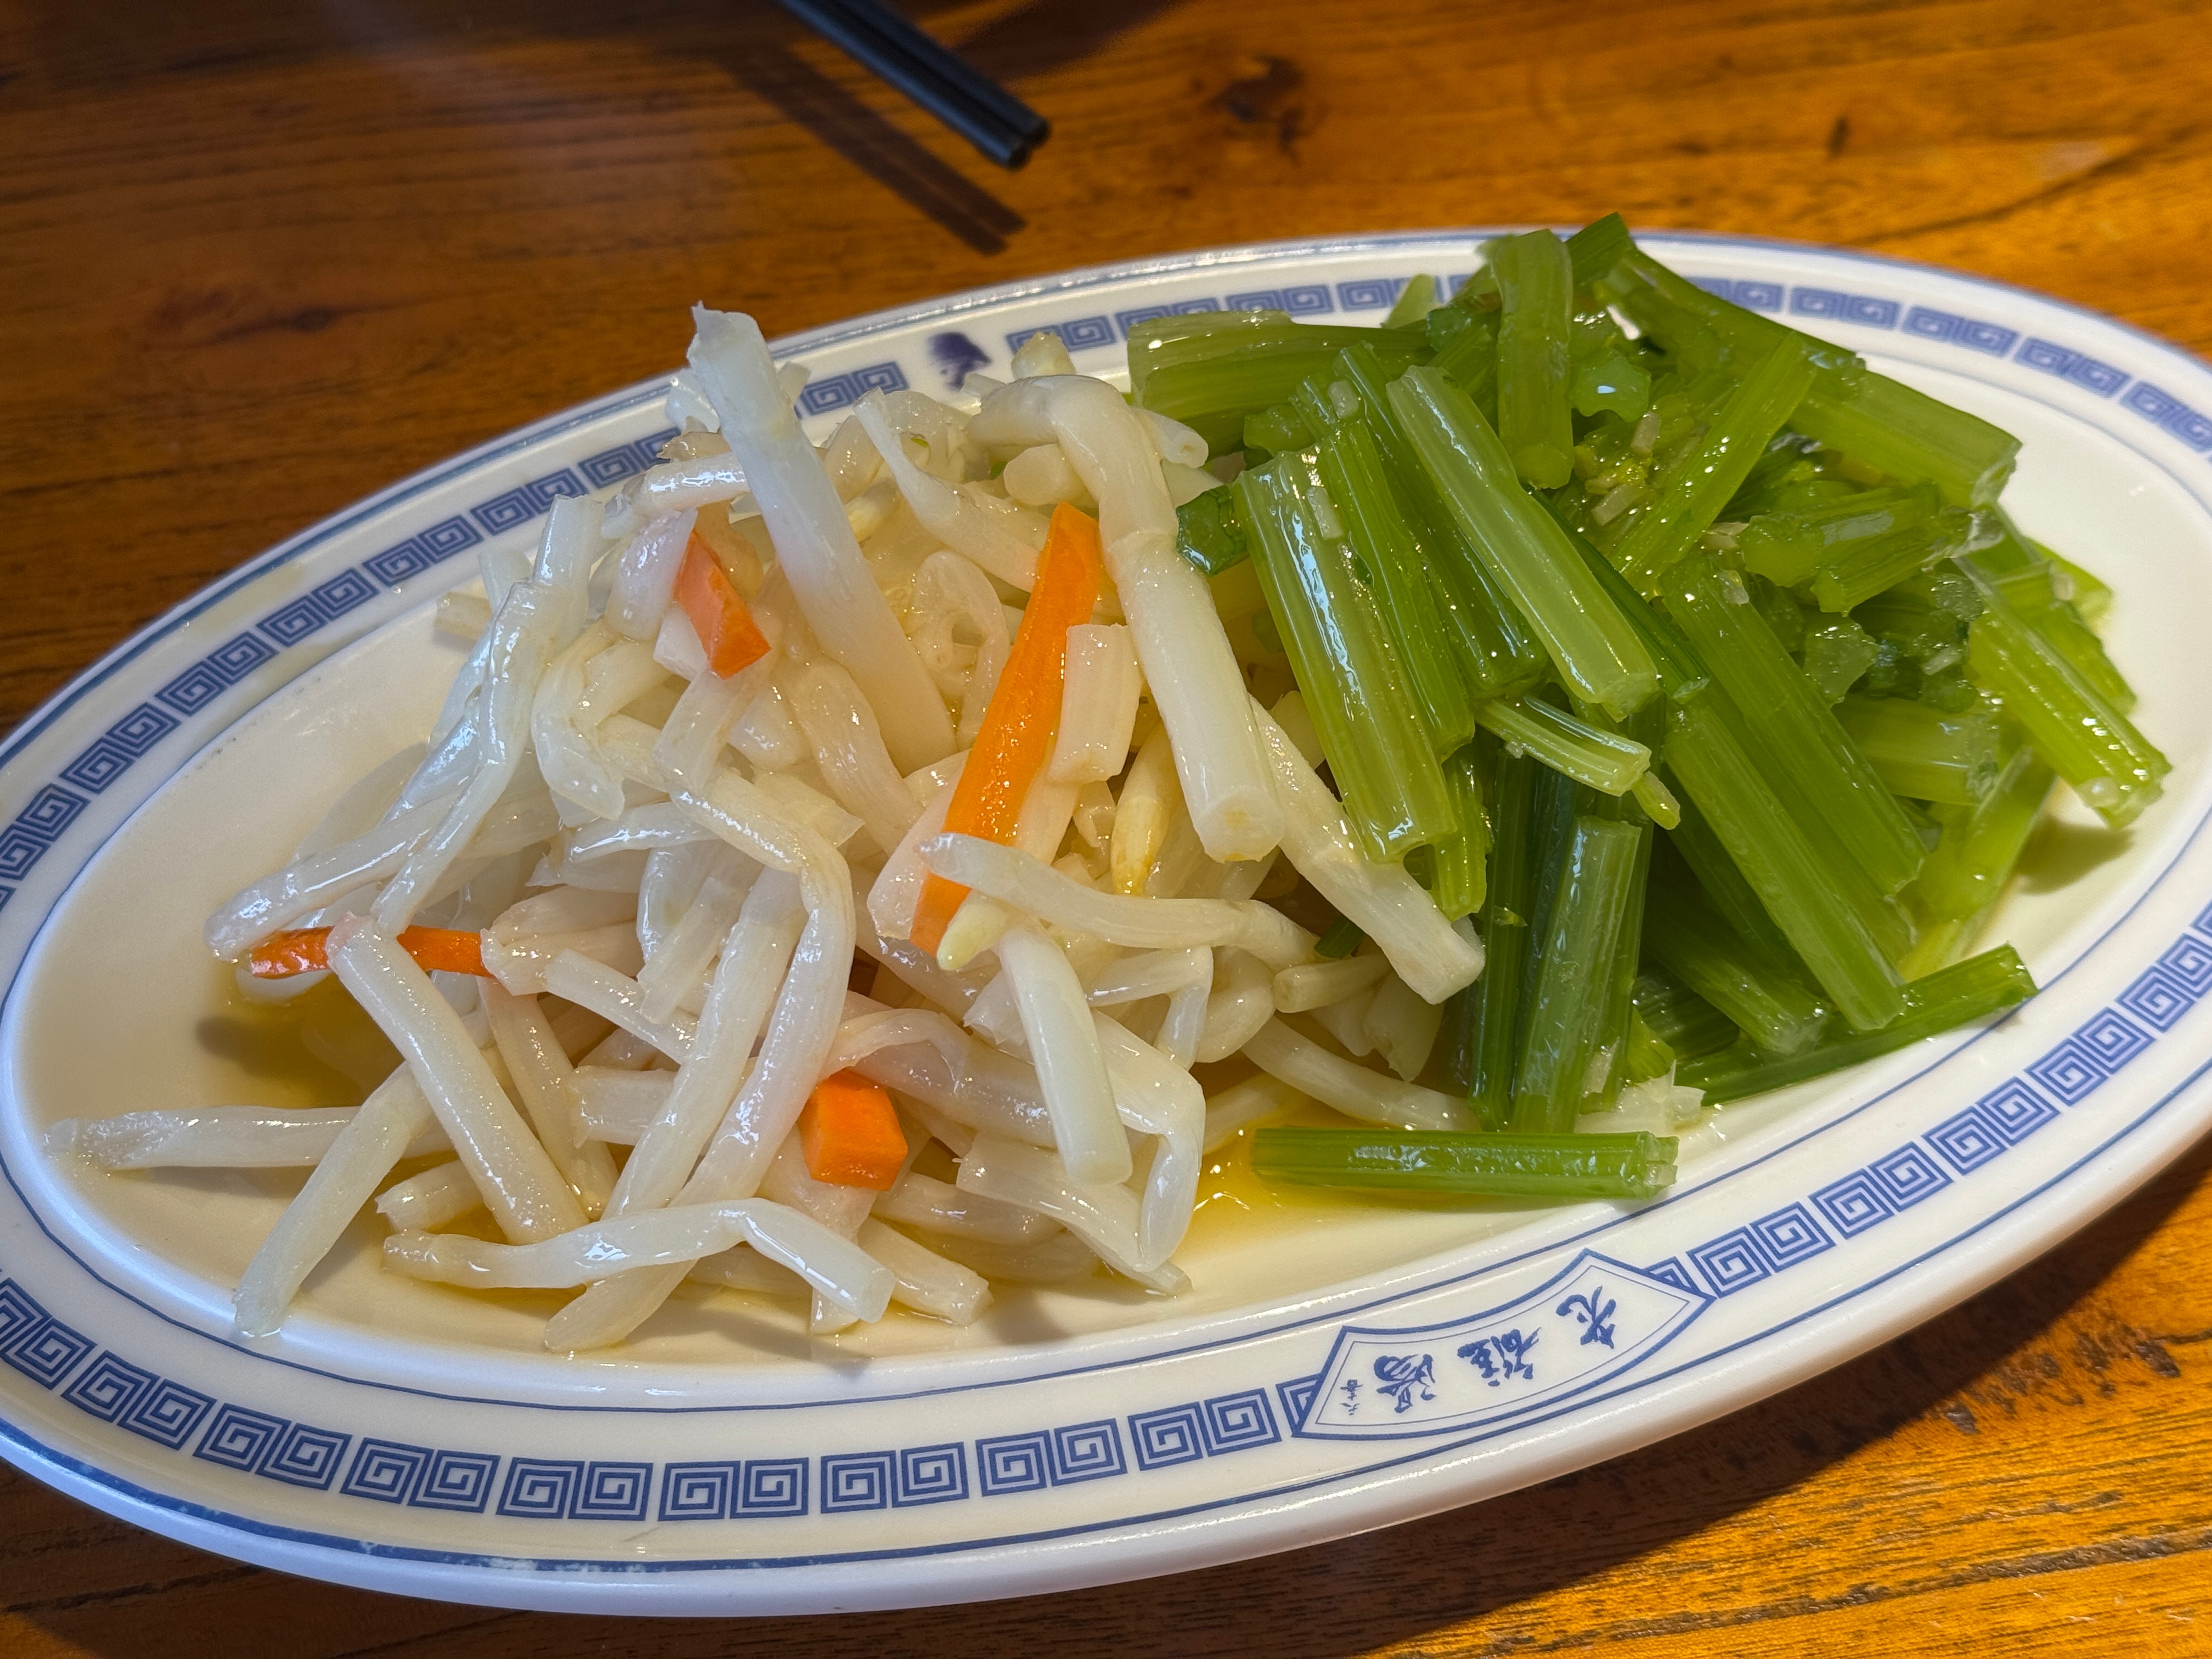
973, 104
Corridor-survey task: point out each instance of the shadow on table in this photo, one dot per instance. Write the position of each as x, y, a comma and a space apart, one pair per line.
1354, 1596
754, 41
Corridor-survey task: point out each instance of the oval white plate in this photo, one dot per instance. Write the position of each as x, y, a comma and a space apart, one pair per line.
1332, 1371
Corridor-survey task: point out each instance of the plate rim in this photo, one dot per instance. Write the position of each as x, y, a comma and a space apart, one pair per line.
53, 1461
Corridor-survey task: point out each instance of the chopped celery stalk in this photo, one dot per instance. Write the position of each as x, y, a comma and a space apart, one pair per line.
1647, 1055
1688, 496
1865, 569
1836, 654
2060, 623
1341, 938
1470, 357
1943, 1001
1507, 911
1603, 760
1394, 792
1536, 283
1680, 671
2095, 748
1705, 330
1499, 654
1460, 859
1359, 490
1414, 303
1211, 369
1209, 534
1967, 870
1658, 800
1596, 884
1923, 753
1799, 888
1693, 853
1275, 430
1525, 554
2090, 596
2037, 583
1481, 1165
1796, 735
1615, 1024
1597, 247
1678, 1017
1788, 547
1767, 1001
1888, 426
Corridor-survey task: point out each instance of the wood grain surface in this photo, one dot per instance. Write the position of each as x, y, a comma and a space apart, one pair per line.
257, 260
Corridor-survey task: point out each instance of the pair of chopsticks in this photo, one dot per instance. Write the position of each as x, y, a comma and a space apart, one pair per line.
973, 104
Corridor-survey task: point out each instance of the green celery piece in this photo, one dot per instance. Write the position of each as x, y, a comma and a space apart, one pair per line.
1507, 909
1591, 253
1796, 735
1789, 546
1798, 887
2035, 582
1864, 569
1597, 247
1535, 284
1525, 553
1209, 534
1760, 996
1339, 940
1837, 654
1616, 1022
1870, 417
1211, 369
1359, 488
1966, 872
1610, 381
1460, 859
1355, 687
1943, 1001
1705, 330
1785, 462
1562, 1166
1678, 1017
1690, 495
1923, 753
1470, 357
1596, 887
2112, 766
1499, 654
1888, 426
1276, 429
1647, 1055
1414, 303
1703, 862
1680, 671
2090, 596
1603, 760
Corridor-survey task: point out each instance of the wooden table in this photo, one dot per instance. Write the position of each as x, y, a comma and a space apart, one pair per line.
254, 265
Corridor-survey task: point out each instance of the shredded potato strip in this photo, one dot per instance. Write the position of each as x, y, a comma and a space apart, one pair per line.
1015, 878
215, 1138
836, 1267
395, 1114
524, 1192
800, 1032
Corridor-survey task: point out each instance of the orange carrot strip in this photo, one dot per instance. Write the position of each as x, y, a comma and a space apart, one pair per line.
718, 611
306, 951
1015, 740
850, 1133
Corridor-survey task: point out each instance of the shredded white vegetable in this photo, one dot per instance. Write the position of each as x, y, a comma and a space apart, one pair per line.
711, 864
